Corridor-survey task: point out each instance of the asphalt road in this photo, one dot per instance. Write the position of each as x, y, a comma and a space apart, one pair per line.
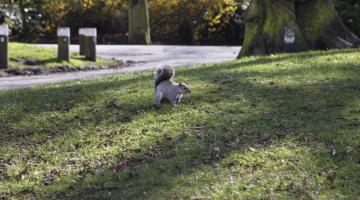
147, 57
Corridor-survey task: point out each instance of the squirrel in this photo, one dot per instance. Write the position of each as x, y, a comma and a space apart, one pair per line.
166, 88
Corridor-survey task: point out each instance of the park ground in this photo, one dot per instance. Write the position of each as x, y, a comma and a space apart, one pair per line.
274, 127
113, 59
25, 55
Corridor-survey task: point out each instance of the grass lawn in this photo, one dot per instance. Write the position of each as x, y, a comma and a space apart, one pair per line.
47, 57
276, 127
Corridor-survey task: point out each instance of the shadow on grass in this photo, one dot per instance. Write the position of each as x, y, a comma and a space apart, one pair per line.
39, 101
54, 61
49, 61
59, 61
305, 114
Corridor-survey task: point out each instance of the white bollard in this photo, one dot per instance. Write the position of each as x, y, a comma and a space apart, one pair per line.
82, 41
289, 39
63, 35
90, 44
4, 39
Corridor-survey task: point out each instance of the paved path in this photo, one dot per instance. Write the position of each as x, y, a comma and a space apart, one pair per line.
148, 57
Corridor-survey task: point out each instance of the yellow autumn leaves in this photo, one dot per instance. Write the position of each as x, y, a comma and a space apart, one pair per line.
166, 16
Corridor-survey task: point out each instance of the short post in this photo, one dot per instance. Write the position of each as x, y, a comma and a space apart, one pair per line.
90, 44
82, 41
4, 39
63, 35
289, 39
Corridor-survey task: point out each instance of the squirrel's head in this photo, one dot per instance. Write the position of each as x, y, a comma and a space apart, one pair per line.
184, 89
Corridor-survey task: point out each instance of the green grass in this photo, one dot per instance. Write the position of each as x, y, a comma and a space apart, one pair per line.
276, 127
47, 57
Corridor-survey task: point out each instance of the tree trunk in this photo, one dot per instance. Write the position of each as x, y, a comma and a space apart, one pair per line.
2, 17
322, 26
25, 27
139, 26
274, 26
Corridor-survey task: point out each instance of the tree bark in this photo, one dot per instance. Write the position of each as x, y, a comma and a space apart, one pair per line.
322, 26
2, 17
25, 27
139, 26
275, 26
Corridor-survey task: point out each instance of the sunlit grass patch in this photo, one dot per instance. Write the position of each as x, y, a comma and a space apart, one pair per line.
47, 57
272, 127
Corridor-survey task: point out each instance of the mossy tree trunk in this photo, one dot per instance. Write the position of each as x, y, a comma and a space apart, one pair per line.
139, 26
25, 25
322, 26
275, 26
2, 17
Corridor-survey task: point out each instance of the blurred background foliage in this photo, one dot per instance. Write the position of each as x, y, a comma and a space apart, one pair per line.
206, 22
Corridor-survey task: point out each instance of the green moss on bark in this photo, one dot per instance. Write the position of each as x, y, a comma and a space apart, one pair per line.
313, 23
322, 27
314, 17
139, 26
265, 26
254, 18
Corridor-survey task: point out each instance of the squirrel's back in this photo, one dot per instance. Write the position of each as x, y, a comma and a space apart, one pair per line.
164, 73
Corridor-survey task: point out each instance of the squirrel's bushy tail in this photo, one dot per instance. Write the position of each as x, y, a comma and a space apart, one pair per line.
164, 73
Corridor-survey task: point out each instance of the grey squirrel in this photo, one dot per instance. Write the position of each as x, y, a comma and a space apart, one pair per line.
166, 88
